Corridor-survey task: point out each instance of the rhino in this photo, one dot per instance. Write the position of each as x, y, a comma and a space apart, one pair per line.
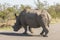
32, 18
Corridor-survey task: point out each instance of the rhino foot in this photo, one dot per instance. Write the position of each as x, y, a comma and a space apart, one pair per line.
45, 36
24, 33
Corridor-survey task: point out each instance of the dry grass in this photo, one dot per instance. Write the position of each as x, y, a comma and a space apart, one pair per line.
7, 25
11, 22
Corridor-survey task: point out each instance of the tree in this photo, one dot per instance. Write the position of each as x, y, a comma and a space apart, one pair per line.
57, 9
22, 7
39, 5
52, 11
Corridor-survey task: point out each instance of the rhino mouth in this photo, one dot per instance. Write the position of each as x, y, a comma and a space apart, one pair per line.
16, 28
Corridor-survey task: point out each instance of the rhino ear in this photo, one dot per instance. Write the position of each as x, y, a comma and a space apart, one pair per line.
15, 15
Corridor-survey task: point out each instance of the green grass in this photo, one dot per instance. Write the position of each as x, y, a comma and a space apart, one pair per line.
6, 28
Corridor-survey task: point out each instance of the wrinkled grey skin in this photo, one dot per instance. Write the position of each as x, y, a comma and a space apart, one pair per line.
33, 19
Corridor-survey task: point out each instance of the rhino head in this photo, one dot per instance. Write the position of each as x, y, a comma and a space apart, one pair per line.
17, 25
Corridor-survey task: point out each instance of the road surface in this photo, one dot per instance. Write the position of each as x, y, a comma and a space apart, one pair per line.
54, 34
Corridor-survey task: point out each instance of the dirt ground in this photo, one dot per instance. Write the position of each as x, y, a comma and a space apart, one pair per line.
54, 34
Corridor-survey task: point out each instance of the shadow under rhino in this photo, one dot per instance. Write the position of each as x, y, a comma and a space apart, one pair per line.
18, 34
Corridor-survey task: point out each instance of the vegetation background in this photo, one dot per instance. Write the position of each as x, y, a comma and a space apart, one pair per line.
7, 18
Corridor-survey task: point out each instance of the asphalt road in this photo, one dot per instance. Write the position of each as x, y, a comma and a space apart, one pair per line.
54, 34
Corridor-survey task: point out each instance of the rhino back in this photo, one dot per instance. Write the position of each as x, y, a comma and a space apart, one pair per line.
33, 17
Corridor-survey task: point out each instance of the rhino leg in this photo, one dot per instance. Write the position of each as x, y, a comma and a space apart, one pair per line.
42, 32
45, 30
30, 30
25, 28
